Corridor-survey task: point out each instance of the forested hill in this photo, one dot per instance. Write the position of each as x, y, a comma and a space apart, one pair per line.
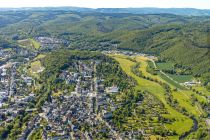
182, 39
187, 45
176, 11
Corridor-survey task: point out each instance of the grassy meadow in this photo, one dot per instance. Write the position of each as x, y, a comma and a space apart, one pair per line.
184, 97
29, 44
158, 91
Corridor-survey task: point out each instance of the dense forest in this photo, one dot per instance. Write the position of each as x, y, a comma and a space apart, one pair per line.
181, 39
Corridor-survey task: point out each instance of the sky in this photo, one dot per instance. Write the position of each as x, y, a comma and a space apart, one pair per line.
200, 4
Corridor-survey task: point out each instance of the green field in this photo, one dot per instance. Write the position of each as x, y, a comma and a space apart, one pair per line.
143, 66
172, 82
29, 43
181, 78
203, 90
40, 56
158, 91
176, 77
36, 68
184, 97
36, 44
165, 65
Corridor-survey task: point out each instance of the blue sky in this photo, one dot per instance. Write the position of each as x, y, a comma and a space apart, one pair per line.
200, 4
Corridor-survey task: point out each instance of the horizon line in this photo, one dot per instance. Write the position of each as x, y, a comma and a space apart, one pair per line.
104, 7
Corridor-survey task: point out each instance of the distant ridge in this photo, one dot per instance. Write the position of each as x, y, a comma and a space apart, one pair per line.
176, 11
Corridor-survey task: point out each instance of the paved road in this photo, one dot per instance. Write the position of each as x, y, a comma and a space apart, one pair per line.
12, 81
113, 131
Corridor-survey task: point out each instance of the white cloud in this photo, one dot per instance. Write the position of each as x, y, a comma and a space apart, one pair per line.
203, 4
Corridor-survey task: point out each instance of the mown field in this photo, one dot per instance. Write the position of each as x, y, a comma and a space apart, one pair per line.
165, 65
181, 123
35, 68
158, 91
29, 44
181, 78
177, 77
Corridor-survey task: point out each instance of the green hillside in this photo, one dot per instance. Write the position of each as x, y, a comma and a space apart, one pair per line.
68, 60
186, 45
181, 39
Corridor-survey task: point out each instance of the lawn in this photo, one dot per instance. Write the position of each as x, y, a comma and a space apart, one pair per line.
170, 81
165, 65
181, 78
203, 90
184, 99
36, 44
200, 98
29, 43
182, 123
36, 67
57, 94
143, 66
170, 66
40, 56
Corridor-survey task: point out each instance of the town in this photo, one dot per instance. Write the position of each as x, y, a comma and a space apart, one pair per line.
84, 113
76, 73
86, 108
15, 92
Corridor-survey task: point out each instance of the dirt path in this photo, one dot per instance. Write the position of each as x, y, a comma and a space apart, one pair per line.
164, 72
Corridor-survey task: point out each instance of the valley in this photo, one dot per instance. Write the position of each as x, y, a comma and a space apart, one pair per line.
74, 74
182, 97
